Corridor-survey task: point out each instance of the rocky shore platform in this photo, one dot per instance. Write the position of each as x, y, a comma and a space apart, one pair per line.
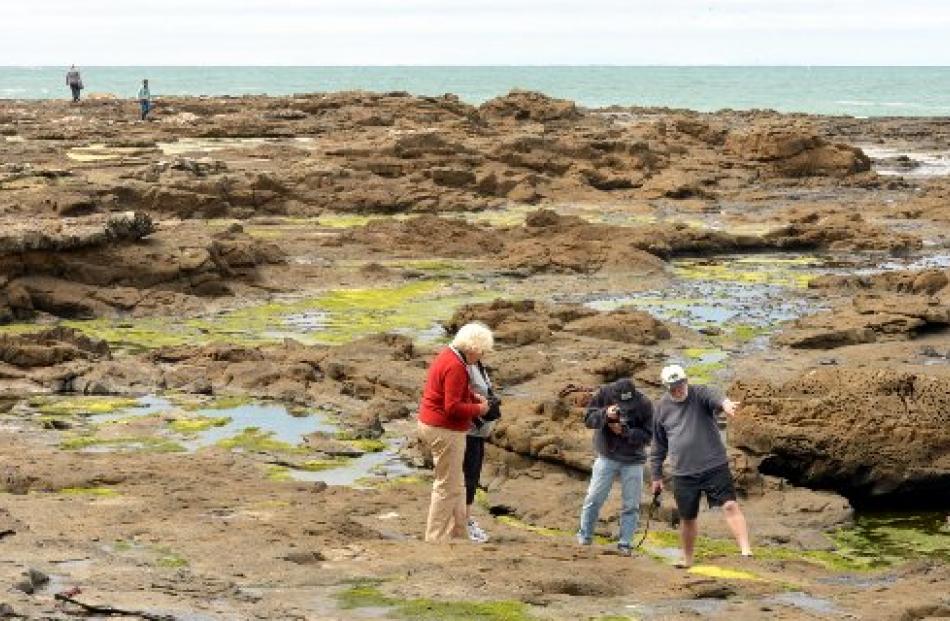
215, 327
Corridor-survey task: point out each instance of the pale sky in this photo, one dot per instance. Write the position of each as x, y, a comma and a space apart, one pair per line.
468, 32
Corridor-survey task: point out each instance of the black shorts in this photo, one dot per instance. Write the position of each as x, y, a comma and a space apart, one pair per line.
716, 482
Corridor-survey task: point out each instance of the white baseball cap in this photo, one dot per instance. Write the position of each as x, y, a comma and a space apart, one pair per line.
672, 374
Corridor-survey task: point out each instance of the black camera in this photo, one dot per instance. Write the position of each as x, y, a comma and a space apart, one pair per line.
494, 408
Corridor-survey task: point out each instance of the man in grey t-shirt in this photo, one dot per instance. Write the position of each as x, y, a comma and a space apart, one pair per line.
685, 429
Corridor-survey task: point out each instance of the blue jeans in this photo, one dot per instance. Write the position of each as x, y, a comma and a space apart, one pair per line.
631, 485
145, 106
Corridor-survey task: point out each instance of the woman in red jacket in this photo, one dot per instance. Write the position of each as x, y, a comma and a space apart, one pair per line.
445, 415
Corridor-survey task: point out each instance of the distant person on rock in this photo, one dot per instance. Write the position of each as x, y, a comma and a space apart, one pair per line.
685, 428
74, 82
475, 444
145, 99
622, 419
448, 407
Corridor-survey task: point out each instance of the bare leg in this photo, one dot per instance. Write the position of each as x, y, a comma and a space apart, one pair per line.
468, 513
688, 531
737, 525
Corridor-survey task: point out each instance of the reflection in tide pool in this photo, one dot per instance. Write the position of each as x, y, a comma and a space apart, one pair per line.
756, 291
275, 423
882, 539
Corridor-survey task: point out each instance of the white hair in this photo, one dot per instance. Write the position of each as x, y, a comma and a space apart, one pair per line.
474, 337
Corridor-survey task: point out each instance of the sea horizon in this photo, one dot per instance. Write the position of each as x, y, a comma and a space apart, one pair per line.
852, 90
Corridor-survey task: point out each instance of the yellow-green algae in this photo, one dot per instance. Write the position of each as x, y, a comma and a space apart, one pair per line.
704, 372
748, 270
278, 473
80, 406
139, 443
880, 540
349, 221
714, 571
199, 424
335, 317
367, 445
169, 559
255, 439
544, 531
100, 492
746, 332
193, 403
708, 548
318, 465
841, 559
697, 353
367, 595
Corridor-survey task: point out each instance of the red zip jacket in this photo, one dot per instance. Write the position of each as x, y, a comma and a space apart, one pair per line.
447, 399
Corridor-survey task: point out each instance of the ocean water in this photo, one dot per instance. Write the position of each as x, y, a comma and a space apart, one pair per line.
855, 91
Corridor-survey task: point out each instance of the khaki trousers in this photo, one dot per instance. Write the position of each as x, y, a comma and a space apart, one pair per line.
447, 503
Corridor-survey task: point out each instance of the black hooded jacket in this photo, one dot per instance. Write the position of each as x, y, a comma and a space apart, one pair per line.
636, 418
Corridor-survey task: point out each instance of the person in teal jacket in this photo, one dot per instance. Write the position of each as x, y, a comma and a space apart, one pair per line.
145, 99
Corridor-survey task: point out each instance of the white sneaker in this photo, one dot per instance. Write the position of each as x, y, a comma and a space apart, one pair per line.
475, 533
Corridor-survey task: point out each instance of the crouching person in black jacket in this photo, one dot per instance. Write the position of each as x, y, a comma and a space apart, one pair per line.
622, 419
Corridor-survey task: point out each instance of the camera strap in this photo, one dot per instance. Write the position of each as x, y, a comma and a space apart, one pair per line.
654, 505
481, 369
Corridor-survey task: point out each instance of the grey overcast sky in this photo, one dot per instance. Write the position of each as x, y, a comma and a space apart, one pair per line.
468, 32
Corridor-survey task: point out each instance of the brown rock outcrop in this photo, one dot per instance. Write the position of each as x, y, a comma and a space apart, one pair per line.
867, 319
528, 106
797, 151
926, 282
102, 266
872, 435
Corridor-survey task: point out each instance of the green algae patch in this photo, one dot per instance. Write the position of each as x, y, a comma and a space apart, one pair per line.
135, 336
538, 530
197, 425
169, 559
544, 531
698, 353
367, 445
192, 403
98, 492
746, 332
714, 571
256, 440
15, 329
363, 594
319, 465
172, 562
130, 443
350, 221
431, 266
408, 479
80, 406
708, 548
334, 317
278, 473
366, 594
432, 610
704, 372
881, 540
782, 272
